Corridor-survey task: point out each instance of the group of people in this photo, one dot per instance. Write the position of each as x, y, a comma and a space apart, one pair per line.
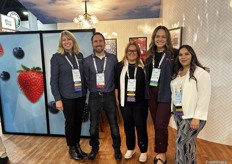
168, 80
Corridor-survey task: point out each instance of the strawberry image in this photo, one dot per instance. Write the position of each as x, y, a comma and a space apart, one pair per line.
31, 82
1, 50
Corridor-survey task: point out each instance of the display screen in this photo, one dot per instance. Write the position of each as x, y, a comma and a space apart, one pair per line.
27, 104
50, 45
23, 104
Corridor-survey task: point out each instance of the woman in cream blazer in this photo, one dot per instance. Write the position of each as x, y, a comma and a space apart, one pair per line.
191, 90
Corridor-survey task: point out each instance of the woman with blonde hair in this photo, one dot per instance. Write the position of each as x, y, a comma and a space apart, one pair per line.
69, 90
130, 93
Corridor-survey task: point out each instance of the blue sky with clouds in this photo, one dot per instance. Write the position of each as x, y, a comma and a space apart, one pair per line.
61, 11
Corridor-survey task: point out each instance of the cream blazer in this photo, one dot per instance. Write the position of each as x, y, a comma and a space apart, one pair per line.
195, 95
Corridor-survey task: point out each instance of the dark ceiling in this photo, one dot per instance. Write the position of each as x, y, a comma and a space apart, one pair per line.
13, 5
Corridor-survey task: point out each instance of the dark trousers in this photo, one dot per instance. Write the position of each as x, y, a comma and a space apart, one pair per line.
73, 110
105, 101
160, 113
135, 116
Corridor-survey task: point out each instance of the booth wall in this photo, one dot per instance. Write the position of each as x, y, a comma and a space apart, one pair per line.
41, 27
207, 27
19, 113
124, 30
26, 114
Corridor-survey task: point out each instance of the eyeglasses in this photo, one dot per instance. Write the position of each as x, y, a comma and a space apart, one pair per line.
130, 51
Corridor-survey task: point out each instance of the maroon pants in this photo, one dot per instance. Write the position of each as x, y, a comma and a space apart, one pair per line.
160, 113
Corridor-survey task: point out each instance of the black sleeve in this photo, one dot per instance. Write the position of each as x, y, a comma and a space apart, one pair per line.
54, 79
117, 75
80, 56
86, 71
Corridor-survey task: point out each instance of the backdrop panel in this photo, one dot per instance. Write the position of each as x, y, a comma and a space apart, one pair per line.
50, 45
26, 98
23, 105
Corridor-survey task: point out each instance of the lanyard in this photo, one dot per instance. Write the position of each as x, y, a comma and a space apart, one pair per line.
128, 75
71, 63
104, 66
153, 62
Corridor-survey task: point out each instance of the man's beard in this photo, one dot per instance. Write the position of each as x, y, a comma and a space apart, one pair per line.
99, 49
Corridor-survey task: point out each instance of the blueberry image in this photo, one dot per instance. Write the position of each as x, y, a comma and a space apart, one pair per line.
5, 75
52, 107
18, 52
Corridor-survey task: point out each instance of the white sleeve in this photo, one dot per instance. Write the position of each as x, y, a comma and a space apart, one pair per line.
203, 94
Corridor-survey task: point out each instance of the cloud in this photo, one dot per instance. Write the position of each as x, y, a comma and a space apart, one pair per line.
65, 10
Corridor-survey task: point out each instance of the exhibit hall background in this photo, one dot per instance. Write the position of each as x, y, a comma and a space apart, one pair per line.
124, 29
207, 27
19, 114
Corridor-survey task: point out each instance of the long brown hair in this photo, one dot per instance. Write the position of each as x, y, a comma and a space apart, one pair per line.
138, 60
194, 62
168, 47
69, 35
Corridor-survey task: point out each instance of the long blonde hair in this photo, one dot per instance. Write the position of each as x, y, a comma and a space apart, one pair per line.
69, 35
138, 60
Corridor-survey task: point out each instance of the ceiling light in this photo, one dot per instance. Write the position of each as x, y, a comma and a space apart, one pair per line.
115, 34
104, 34
25, 12
86, 21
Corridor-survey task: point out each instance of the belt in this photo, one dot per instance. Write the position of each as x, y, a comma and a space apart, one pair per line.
101, 93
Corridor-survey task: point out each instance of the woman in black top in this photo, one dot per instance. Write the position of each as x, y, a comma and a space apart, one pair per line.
130, 93
159, 69
69, 90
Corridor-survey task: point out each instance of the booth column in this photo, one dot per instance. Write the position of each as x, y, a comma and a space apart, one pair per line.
33, 26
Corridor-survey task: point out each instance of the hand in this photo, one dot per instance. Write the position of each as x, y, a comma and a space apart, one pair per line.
194, 124
117, 103
59, 105
207, 69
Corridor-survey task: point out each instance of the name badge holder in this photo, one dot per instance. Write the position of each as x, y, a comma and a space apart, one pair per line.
178, 97
178, 103
77, 80
100, 80
76, 75
155, 75
100, 77
131, 87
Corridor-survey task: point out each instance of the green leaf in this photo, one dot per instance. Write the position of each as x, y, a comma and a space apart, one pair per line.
25, 68
36, 69
20, 71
